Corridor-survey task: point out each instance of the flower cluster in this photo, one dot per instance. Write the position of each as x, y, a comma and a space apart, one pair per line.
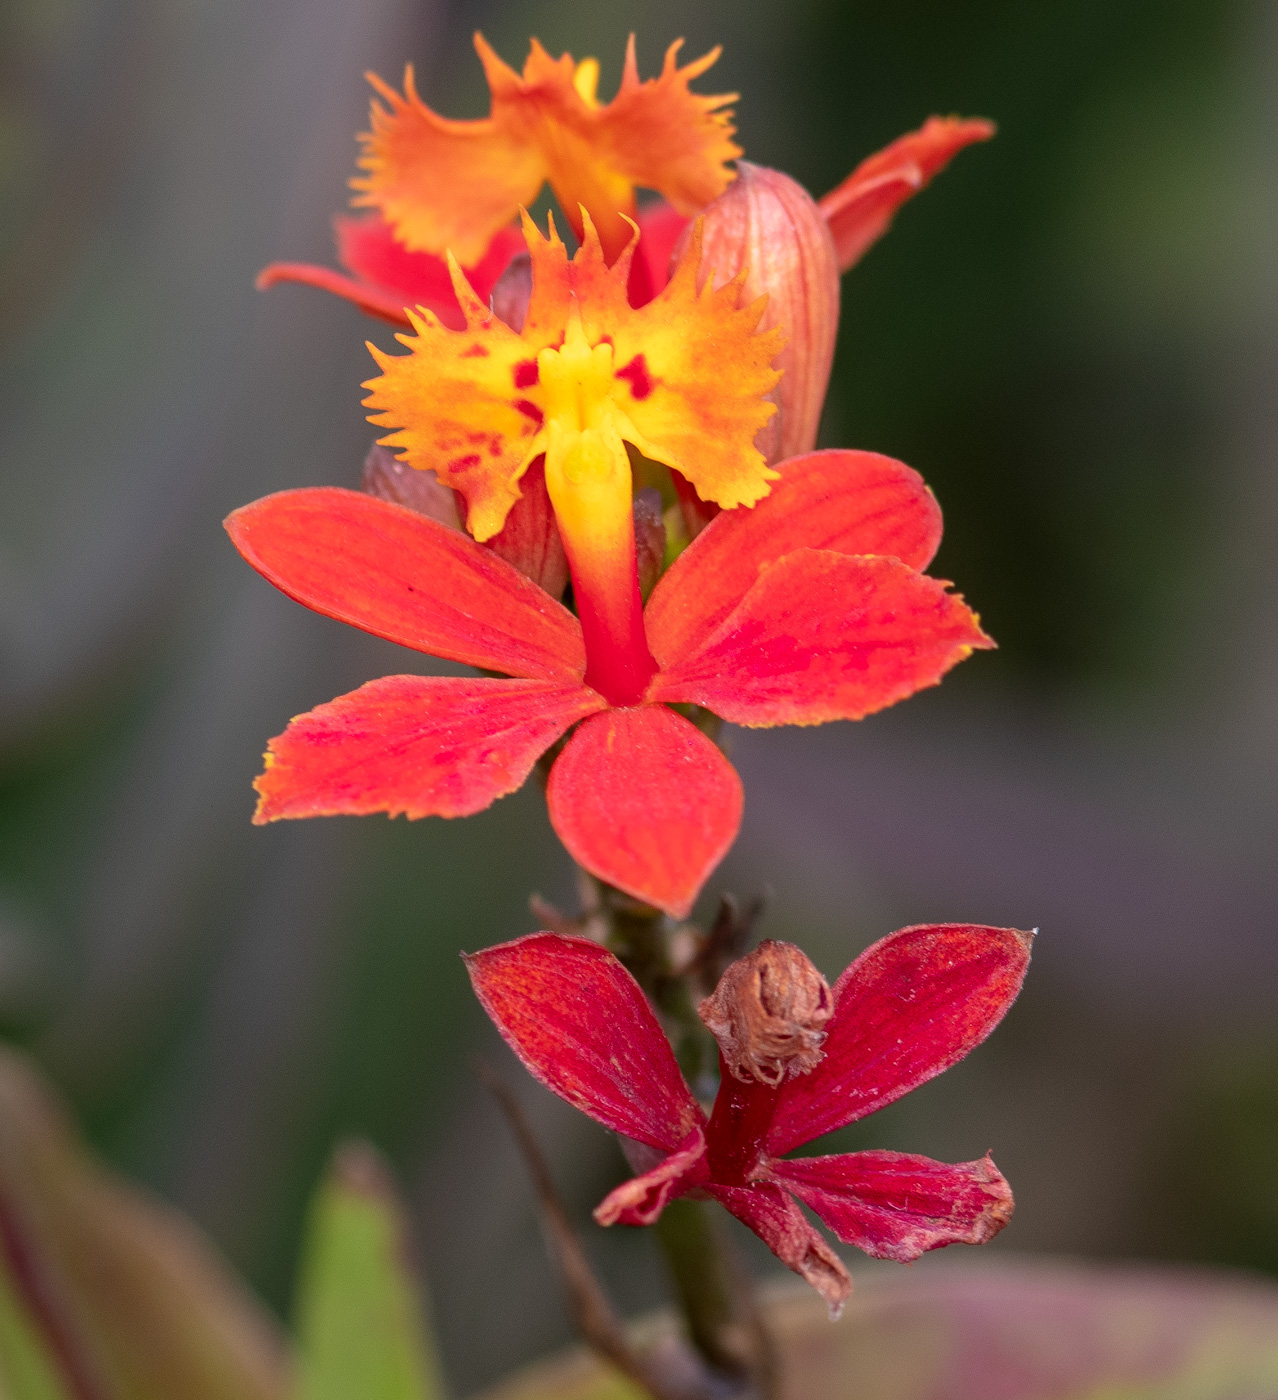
597, 486
909, 1007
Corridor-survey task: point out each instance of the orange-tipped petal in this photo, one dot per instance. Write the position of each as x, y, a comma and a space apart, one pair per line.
861, 209
582, 1026
824, 636
767, 227
645, 801
912, 1005
399, 575
895, 1205
852, 502
451, 184
418, 745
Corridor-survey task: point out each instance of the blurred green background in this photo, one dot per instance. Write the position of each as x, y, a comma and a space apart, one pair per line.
1072, 334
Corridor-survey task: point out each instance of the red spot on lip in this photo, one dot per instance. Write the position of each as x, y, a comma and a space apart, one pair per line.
461, 464
530, 410
636, 374
526, 374
476, 352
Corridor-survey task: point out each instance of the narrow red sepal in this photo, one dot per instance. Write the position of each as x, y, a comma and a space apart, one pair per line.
852, 502
399, 575
660, 227
421, 746
582, 1026
908, 1008
895, 1205
860, 210
782, 1226
641, 1200
387, 277
824, 636
645, 801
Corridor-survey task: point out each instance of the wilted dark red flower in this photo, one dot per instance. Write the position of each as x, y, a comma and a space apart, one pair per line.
909, 1007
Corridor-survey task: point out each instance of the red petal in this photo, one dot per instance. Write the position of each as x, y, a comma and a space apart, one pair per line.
418, 745
402, 576
373, 300
781, 1225
387, 277
646, 802
910, 1006
660, 225
581, 1025
894, 1205
860, 210
530, 537
852, 502
641, 1200
825, 636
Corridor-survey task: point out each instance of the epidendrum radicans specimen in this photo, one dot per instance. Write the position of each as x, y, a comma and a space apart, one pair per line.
798, 1059
605, 498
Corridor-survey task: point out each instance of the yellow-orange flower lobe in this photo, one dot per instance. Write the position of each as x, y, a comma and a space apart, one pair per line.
450, 185
682, 379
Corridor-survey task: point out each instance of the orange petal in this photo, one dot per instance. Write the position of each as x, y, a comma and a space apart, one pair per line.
451, 184
853, 502
407, 578
645, 801
446, 185
824, 636
860, 210
421, 746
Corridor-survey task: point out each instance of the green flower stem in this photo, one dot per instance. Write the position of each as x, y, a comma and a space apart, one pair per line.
703, 1285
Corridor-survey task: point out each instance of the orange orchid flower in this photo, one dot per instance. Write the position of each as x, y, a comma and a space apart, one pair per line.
545, 125
681, 379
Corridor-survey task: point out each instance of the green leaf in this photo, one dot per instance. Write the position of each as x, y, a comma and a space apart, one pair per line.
361, 1317
106, 1293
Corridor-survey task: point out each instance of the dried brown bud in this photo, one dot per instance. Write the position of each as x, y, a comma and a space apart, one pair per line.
512, 293
650, 538
768, 223
768, 1014
422, 491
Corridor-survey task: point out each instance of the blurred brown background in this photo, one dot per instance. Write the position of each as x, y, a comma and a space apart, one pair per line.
1072, 334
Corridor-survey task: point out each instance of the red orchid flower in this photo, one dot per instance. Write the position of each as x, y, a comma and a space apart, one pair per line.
390, 270
810, 607
908, 1008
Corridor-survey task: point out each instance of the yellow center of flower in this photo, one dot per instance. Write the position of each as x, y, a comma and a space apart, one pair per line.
587, 469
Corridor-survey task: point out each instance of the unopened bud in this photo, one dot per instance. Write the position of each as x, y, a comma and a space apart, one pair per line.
422, 491
650, 538
512, 292
768, 1014
768, 223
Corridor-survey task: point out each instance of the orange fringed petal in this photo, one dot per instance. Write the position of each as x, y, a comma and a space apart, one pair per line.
421, 746
861, 209
449, 185
685, 380
697, 370
824, 636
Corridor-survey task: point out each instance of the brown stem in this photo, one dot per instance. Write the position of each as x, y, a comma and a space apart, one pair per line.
592, 1314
